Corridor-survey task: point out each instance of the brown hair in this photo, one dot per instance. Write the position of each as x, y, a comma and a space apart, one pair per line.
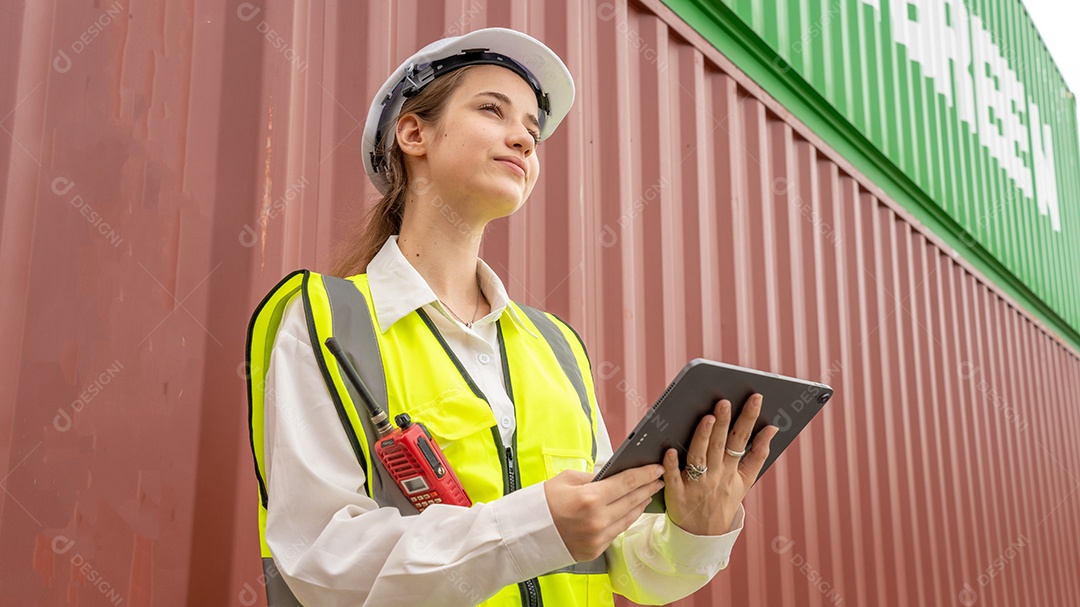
367, 236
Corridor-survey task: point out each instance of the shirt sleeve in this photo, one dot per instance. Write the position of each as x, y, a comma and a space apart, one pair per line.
333, 544
655, 561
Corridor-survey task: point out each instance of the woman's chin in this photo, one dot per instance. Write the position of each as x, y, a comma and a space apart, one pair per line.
504, 202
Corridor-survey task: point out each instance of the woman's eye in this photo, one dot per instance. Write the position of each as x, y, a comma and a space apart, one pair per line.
495, 108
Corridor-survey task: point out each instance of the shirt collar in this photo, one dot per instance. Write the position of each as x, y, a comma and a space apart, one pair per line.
398, 290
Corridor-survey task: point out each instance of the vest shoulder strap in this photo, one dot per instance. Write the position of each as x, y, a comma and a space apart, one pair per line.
348, 318
573, 358
322, 321
261, 334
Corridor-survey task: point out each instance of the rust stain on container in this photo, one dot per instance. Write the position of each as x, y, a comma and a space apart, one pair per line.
682, 212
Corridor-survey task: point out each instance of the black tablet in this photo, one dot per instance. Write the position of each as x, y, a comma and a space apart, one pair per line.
787, 403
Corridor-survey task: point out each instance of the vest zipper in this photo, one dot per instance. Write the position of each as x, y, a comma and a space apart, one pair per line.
531, 594
529, 589
511, 471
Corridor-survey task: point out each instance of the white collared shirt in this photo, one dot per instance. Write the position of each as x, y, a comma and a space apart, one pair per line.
397, 290
335, 546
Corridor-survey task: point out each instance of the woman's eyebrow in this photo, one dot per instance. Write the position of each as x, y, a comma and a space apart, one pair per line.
506, 100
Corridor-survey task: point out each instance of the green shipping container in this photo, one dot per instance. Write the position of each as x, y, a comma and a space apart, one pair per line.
955, 108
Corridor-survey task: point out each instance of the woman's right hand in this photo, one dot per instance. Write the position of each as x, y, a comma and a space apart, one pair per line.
589, 516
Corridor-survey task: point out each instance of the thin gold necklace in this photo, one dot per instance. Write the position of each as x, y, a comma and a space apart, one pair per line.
470, 323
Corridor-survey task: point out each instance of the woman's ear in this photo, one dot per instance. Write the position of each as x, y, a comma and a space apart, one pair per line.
410, 135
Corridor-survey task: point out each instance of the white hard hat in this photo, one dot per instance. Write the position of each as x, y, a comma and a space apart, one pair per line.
528, 57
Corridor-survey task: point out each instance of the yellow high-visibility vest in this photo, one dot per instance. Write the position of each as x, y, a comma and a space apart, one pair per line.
411, 369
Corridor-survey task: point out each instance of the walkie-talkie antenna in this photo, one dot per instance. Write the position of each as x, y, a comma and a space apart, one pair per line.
378, 416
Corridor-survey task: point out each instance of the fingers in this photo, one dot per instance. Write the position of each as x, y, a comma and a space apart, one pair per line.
575, 477
672, 474
583, 513
698, 453
739, 437
751, 464
613, 530
615, 487
719, 435
631, 500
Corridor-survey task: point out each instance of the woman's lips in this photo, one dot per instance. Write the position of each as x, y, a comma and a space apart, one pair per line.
513, 167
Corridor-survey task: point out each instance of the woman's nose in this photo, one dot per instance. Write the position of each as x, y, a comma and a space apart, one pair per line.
522, 139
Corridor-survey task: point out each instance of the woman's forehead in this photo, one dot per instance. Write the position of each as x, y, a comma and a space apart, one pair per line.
492, 78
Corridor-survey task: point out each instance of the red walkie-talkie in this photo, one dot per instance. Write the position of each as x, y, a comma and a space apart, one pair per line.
408, 452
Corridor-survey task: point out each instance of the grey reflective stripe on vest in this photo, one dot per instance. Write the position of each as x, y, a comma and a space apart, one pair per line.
597, 565
278, 593
566, 358
353, 329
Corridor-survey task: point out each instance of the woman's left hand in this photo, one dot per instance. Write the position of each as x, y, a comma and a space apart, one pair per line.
707, 506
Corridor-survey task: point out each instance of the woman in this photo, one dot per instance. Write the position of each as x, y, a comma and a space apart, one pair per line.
505, 390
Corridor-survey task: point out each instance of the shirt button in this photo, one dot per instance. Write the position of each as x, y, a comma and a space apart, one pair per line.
484, 358
505, 421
